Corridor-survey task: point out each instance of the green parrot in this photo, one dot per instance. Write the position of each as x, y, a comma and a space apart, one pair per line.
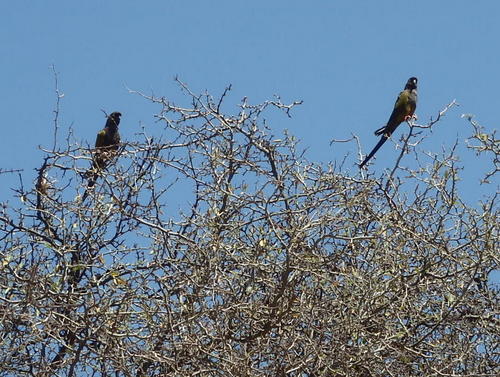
404, 108
106, 145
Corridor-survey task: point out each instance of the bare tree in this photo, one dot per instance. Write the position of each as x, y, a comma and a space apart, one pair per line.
218, 249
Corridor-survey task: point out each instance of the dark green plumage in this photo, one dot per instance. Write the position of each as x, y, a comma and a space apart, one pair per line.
404, 108
106, 145
107, 142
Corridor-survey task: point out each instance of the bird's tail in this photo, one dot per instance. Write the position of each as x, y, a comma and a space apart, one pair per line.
92, 174
380, 131
374, 150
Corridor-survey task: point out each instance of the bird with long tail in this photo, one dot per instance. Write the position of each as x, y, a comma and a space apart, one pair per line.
404, 108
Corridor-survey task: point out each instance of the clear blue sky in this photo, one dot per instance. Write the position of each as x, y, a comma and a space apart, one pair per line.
347, 60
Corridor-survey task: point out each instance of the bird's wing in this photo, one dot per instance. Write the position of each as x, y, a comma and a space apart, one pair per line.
100, 140
399, 113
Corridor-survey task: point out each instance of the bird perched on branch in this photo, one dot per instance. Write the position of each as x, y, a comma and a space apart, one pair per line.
106, 145
404, 108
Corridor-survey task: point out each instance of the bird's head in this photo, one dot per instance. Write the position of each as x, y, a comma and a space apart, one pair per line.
411, 83
114, 119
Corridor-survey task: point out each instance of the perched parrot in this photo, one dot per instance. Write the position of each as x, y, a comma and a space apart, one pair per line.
403, 110
106, 144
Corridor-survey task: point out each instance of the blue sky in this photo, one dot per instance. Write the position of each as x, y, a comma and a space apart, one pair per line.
347, 60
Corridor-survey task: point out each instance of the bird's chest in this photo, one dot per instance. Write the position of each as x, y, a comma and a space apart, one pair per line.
113, 138
413, 97
411, 104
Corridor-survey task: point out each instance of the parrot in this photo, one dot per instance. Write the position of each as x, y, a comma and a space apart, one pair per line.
106, 145
404, 108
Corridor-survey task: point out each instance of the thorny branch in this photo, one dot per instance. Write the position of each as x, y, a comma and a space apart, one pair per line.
217, 248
